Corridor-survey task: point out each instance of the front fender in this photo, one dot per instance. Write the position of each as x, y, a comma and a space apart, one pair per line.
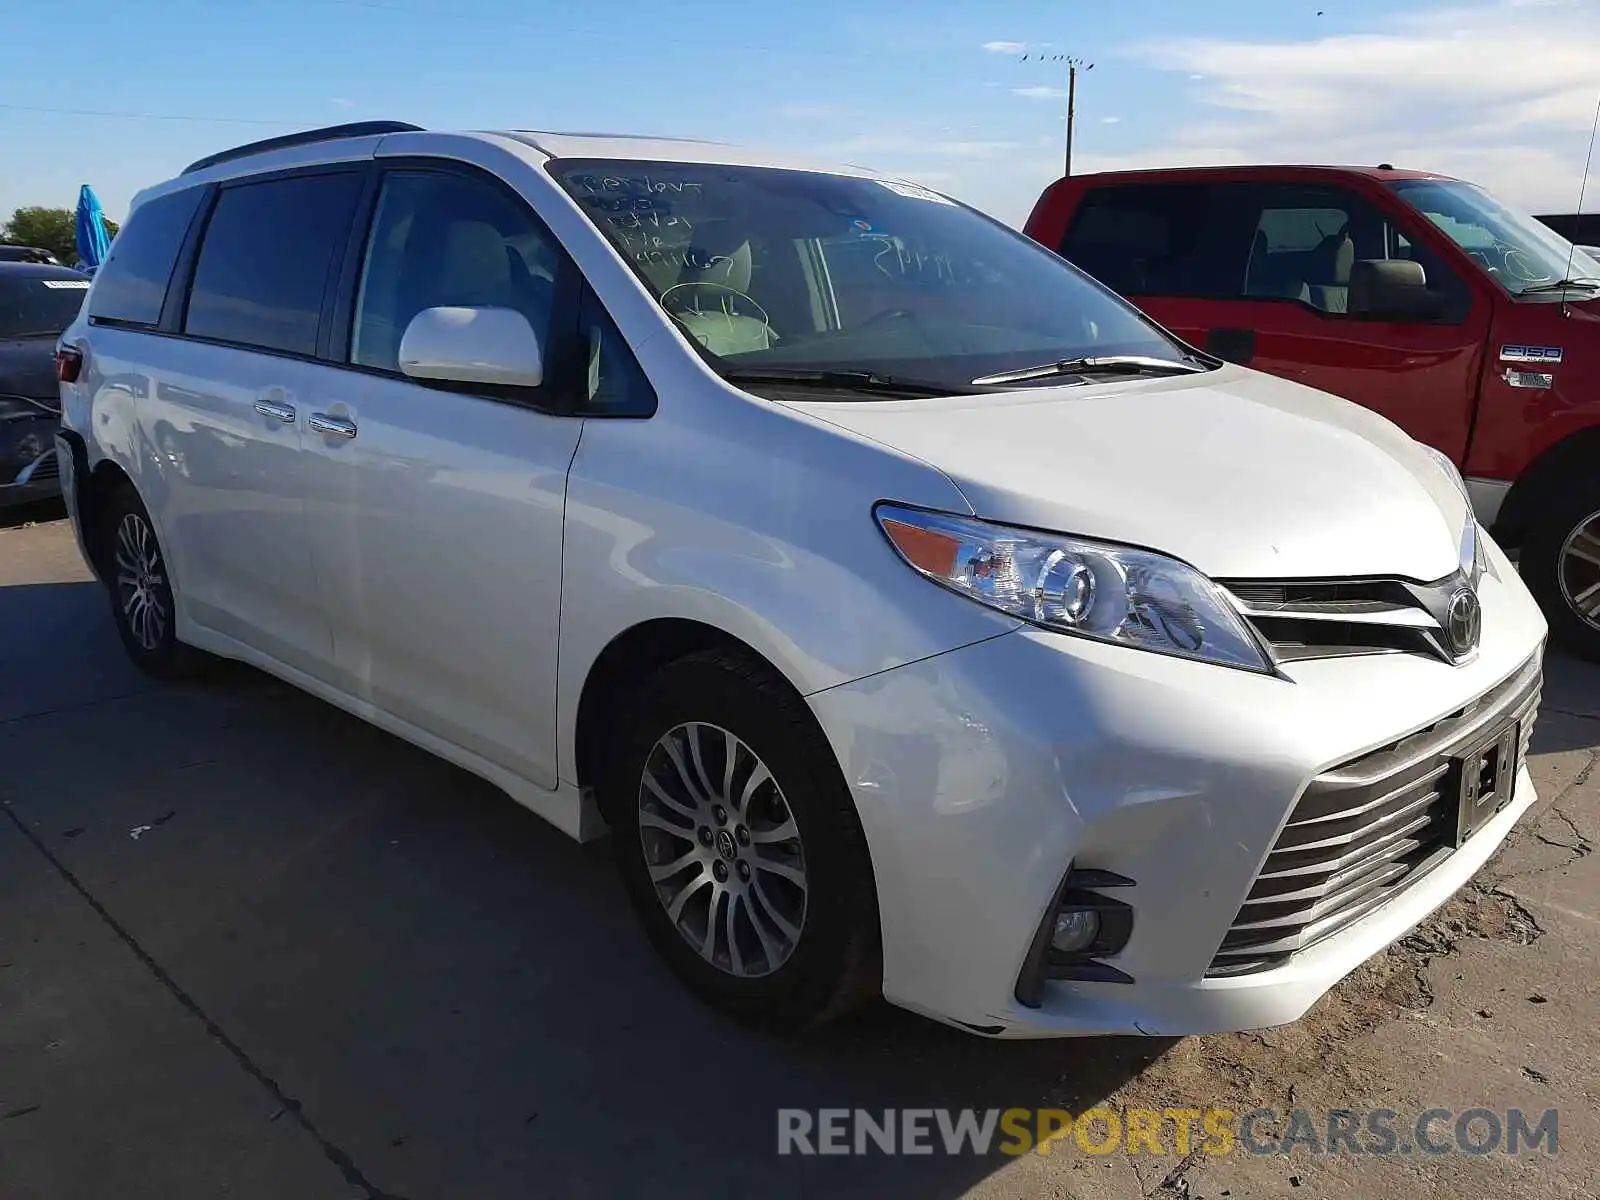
763, 529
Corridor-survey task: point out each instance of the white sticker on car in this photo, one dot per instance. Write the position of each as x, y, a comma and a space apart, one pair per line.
75, 284
914, 191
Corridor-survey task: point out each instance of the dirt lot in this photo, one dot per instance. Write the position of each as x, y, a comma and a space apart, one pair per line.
251, 947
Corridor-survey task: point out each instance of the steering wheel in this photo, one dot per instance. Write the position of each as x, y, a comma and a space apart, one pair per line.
683, 298
890, 314
1519, 267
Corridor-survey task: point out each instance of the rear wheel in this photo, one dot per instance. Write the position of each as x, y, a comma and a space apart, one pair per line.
142, 603
1561, 563
739, 843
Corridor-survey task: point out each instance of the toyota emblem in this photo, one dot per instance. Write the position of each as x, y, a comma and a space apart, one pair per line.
1463, 622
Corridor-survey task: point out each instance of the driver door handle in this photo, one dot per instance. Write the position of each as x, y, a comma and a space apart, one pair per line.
337, 426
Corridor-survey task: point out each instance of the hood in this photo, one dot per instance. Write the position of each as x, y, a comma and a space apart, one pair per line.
28, 368
1238, 473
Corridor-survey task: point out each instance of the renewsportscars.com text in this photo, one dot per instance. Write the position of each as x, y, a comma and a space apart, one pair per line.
1166, 1131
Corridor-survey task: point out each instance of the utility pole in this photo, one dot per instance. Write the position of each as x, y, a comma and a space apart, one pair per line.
1072, 101
1074, 64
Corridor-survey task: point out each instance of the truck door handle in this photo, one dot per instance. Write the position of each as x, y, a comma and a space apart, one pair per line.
277, 412
337, 426
1232, 345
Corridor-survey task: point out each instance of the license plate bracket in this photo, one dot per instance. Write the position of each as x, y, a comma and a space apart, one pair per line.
1485, 778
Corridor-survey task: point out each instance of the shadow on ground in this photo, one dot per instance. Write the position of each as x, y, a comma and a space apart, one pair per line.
456, 994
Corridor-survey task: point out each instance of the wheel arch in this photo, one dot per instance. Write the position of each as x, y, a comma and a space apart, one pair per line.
629, 658
1568, 458
94, 492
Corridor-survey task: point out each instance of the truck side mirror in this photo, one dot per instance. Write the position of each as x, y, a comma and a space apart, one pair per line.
1393, 289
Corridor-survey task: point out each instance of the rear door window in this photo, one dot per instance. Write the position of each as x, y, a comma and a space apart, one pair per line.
1159, 240
266, 260
132, 285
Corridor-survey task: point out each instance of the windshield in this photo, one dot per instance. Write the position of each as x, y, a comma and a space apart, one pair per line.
33, 305
771, 270
1518, 252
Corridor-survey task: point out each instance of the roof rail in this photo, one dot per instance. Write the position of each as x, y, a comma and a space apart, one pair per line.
353, 129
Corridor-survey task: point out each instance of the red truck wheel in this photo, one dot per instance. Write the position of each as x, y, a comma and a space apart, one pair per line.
1561, 564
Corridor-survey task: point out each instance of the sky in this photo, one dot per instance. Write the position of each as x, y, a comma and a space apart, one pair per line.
964, 97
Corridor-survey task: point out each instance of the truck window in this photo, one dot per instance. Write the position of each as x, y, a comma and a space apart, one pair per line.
1158, 240
1308, 237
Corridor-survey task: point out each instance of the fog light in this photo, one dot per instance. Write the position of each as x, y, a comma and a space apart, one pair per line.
1075, 931
1080, 929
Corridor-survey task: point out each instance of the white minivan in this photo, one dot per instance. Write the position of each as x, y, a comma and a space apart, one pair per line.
919, 618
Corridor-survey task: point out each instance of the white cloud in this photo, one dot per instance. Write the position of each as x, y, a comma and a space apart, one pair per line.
1040, 93
1005, 47
1110, 120
1490, 92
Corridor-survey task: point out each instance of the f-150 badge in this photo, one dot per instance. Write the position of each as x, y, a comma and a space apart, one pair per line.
1548, 355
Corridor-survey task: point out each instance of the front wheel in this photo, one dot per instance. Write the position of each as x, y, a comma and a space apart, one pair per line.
739, 844
1561, 564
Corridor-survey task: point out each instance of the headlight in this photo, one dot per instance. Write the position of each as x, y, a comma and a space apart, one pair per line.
1473, 563
1096, 590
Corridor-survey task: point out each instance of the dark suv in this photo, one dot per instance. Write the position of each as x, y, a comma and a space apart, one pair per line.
36, 303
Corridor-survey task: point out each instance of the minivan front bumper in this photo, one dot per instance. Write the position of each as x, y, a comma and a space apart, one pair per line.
984, 774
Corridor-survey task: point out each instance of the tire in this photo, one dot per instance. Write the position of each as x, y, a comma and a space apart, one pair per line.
777, 981
140, 588
1556, 565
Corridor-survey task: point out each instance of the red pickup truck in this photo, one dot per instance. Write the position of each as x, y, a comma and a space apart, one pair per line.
1473, 327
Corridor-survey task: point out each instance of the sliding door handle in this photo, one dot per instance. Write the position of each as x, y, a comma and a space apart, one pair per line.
337, 426
277, 412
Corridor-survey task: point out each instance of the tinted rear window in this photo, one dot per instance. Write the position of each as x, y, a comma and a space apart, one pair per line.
266, 258
133, 283
1158, 239
31, 305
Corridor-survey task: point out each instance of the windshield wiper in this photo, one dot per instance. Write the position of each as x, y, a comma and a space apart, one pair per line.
1109, 364
867, 382
1561, 285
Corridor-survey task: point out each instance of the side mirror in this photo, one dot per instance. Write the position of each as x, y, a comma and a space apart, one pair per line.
472, 345
1392, 289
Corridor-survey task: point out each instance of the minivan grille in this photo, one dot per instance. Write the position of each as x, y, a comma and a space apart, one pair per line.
1367, 829
1303, 619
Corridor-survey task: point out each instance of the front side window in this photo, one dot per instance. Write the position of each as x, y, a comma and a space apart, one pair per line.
1519, 253
770, 269
265, 261
131, 286
33, 305
441, 239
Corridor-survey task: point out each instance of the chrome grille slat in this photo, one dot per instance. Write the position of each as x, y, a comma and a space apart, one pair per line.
1385, 819
1359, 836
1309, 619
1358, 810
1343, 862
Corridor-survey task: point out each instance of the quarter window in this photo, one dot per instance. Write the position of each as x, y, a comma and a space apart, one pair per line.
266, 259
132, 285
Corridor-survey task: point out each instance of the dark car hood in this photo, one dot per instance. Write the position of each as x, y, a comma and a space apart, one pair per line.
28, 368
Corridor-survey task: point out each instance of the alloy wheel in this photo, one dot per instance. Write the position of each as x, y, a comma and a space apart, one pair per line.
1579, 569
141, 581
723, 850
